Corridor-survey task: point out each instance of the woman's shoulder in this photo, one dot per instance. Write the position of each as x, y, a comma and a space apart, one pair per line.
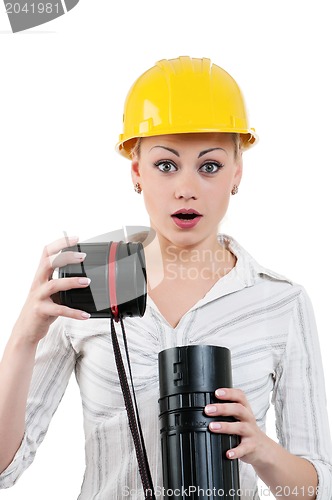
251, 271
266, 284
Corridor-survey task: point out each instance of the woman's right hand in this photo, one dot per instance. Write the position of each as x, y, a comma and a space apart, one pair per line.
40, 310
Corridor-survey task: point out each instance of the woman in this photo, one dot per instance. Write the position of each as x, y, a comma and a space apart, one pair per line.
185, 128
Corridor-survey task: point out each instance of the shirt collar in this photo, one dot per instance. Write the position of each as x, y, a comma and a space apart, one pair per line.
246, 273
248, 269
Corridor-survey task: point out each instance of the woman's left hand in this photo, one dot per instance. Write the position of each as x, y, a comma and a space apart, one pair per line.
253, 440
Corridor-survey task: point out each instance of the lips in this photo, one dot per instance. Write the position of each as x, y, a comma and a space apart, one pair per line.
186, 218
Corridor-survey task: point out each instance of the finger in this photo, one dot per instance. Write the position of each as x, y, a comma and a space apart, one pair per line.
58, 245
235, 410
240, 451
231, 394
51, 309
58, 285
64, 258
45, 269
232, 428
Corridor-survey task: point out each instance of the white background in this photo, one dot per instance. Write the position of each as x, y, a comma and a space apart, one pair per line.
62, 88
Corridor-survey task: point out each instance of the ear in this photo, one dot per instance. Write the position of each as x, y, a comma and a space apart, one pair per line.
238, 170
135, 173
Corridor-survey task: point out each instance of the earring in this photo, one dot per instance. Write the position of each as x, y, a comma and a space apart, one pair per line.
138, 188
235, 189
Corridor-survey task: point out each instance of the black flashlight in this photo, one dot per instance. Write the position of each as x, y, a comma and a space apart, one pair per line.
118, 280
194, 458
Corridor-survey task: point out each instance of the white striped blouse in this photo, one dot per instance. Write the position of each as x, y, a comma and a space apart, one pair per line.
264, 319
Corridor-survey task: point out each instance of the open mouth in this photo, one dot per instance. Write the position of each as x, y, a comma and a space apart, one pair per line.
186, 216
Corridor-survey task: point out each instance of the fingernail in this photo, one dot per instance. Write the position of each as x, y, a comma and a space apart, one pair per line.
230, 454
85, 315
84, 281
215, 426
220, 392
79, 255
210, 409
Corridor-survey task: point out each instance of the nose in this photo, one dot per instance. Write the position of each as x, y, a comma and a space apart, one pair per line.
186, 186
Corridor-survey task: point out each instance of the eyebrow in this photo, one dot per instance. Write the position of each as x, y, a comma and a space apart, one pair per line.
209, 150
168, 149
177, 153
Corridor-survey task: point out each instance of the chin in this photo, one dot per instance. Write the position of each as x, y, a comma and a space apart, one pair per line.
185, 239
179, 237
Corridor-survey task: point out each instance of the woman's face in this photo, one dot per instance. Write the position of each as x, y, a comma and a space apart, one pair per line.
187, 172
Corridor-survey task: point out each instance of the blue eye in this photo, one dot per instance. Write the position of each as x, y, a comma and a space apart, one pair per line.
164, 165
212, 167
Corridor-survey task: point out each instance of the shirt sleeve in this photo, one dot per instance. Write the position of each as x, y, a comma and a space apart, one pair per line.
299, 396
55, 360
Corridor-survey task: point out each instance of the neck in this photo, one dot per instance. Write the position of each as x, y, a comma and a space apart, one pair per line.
167, 261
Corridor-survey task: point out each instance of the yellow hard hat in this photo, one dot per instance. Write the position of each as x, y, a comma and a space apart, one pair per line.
183, 95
